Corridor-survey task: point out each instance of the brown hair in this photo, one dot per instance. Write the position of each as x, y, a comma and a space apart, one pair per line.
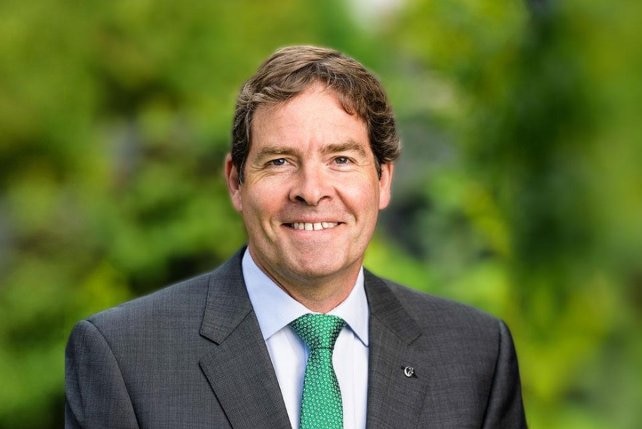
289, 71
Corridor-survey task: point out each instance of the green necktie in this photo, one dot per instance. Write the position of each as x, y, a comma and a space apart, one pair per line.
321, 405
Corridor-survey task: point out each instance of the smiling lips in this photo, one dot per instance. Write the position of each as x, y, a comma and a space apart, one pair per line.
316, 226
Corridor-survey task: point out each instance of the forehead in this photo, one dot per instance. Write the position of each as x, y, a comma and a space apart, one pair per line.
314, 114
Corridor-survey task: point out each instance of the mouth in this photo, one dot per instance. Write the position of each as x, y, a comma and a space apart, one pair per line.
312, 226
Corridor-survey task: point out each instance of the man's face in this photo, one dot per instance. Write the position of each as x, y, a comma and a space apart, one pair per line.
311, 193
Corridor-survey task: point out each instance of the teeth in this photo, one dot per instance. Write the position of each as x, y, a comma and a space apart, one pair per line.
317, 226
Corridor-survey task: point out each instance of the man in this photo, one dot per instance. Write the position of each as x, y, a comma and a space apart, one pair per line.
311, 165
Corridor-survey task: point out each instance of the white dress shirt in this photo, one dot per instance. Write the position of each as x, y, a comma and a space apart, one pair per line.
275, 309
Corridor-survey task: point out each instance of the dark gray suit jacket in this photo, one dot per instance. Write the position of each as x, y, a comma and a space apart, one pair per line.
192, 356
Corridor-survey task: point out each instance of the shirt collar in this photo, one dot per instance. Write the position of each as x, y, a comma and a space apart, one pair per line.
275, 309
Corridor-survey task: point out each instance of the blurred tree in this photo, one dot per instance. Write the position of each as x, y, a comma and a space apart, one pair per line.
545, 146
519, 189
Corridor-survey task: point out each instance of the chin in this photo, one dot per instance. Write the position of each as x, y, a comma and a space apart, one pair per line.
313, 269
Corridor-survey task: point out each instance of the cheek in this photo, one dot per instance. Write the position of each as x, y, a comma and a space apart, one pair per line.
256, 206
363, 201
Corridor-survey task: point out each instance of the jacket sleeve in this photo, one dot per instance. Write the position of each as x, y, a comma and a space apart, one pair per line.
505, 408
95, 393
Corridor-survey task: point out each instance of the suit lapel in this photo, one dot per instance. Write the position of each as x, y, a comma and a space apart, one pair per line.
239, 368
241, 375
394, 398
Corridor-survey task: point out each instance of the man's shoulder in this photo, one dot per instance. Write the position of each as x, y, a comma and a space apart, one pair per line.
179, 301
433, 312
182, 298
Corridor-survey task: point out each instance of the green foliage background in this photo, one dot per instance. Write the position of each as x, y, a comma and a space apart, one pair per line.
519, 190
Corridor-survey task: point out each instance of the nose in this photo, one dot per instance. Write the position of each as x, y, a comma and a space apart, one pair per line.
311, 186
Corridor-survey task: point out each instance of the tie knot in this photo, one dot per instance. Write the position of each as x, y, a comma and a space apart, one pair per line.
318, 331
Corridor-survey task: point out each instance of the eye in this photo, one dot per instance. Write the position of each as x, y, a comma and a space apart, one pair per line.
277, 162
342, 160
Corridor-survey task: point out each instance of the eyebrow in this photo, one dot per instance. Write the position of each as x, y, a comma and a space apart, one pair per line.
269, 151
348, 146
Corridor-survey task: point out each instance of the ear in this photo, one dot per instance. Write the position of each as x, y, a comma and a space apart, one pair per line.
385, 184
232, 181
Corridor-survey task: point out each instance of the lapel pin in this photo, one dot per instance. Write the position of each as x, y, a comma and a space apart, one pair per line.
409, 371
